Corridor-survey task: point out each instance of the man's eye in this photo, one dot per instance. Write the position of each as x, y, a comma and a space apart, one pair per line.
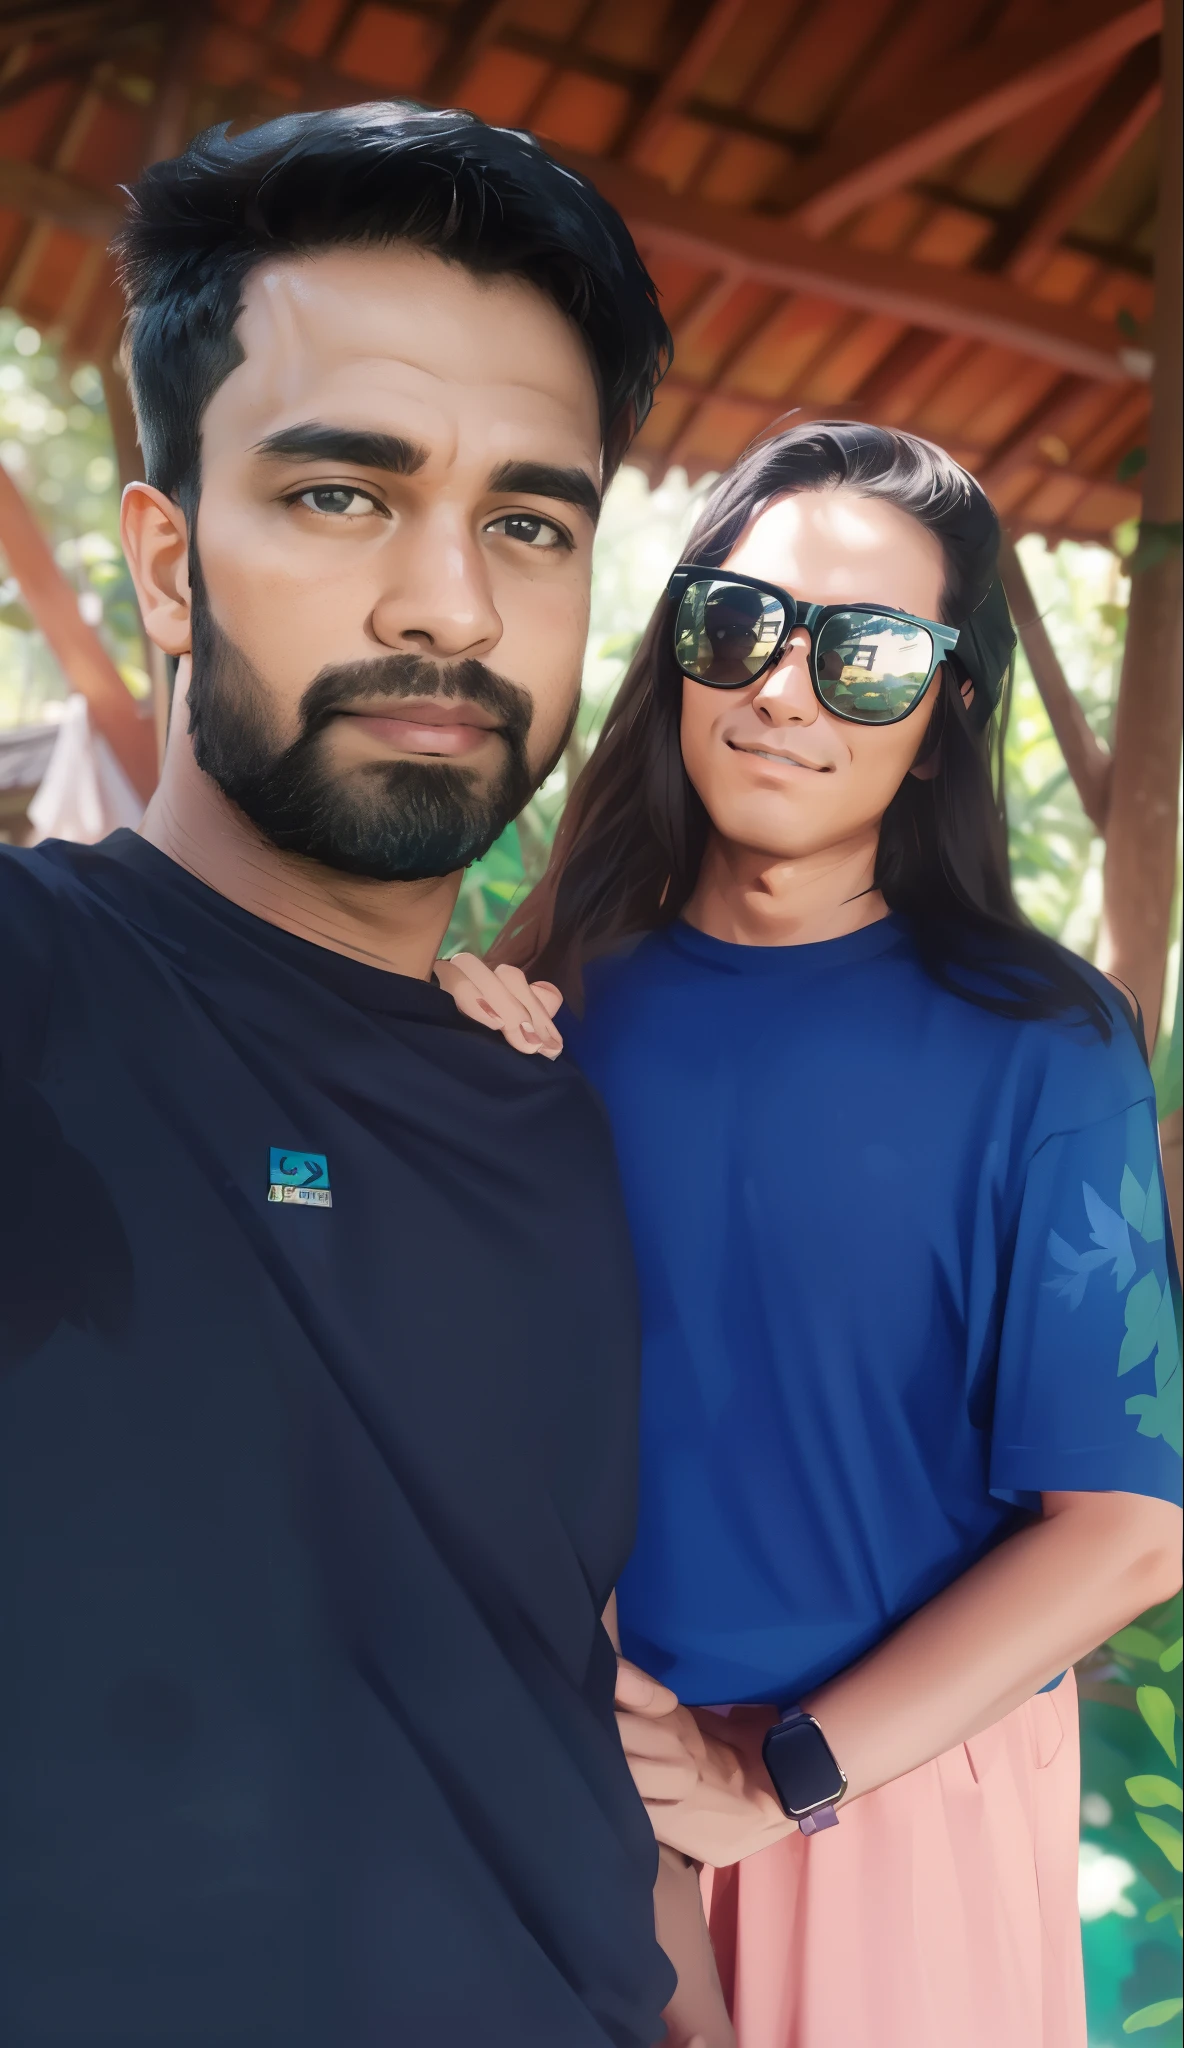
528, 528
339, 500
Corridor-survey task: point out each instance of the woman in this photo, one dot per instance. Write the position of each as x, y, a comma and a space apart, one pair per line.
910, 1432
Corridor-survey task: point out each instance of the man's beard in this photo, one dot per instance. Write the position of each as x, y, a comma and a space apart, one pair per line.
394, 821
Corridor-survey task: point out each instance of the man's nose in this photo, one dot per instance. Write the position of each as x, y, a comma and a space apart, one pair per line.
436, 598
786, 696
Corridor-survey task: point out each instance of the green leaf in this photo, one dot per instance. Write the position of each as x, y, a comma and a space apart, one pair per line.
1158, 540
1151, 1228
1167, 1342
1160, 1716
1165, 1837
1156, 2015
1141, 1312
1163, 1907
1131, 1200
1137, 1642
1160, 1415
1171, 1656
1132, 462
1156, 1791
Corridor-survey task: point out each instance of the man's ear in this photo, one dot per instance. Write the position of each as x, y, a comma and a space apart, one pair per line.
155, 539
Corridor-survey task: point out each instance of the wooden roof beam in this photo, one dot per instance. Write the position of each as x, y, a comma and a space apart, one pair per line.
1080, 167
48, 196
960, 102
88, 667
946, 300
474, 24
687, 72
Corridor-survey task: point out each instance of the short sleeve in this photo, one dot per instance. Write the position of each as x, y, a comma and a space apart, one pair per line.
1087, 1395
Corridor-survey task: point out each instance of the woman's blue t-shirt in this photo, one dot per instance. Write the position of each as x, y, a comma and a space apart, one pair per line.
904, 1266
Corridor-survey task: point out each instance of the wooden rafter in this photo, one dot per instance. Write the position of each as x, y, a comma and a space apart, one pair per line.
1020, 449
474, 24
672, 91
1079, 167
87, 665
48, 196
920, 294
963, 100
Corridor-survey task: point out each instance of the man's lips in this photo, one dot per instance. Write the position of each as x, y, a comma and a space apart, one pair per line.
428, 726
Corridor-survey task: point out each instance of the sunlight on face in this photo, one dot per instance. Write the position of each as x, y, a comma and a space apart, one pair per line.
777, 772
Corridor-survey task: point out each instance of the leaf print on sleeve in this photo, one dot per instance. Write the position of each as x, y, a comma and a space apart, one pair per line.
1142, 1323
1143, 1211
1078, 1267
1162, 1413
1109, 1230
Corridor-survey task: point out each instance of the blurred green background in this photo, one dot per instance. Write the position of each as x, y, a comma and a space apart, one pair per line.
56, 443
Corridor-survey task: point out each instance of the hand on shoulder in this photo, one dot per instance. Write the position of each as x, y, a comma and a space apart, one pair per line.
503, 1000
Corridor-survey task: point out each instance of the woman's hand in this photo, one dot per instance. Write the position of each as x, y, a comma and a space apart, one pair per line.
700, 1775
502, 999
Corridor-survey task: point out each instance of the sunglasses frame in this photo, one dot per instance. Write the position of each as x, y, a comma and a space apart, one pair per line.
813, 617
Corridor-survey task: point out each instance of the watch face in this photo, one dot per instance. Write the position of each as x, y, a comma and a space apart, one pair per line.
802, 1768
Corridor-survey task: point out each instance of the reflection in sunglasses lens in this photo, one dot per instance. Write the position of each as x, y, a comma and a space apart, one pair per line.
725, 632
872, 667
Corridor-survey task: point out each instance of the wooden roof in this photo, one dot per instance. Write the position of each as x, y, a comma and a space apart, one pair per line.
933, 213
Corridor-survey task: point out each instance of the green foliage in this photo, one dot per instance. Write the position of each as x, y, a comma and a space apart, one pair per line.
1160, 1715
1056, 854
56, 444
1155, 1791
1155, 1639
1155, 2015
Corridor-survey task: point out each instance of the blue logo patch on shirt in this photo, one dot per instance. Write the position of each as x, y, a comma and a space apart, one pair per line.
299, 1177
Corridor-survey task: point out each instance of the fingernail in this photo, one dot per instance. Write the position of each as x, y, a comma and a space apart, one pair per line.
531, 1037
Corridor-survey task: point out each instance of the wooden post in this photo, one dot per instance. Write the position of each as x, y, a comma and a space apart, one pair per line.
1145, 781
88, 666
1087, 760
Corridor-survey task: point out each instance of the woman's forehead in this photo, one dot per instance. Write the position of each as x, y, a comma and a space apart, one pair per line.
837, 546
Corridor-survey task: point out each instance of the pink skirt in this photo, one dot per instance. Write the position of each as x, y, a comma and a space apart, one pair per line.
942, 1910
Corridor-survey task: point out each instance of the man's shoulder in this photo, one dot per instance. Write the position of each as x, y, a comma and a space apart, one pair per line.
46, 877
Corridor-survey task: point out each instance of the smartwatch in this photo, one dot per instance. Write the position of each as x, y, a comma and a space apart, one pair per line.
805, 1776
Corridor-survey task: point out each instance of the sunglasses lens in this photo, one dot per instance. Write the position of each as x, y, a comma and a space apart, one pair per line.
872, 667
725, 632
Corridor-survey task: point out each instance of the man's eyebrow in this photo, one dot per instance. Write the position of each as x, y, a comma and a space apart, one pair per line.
313, 441
547, 480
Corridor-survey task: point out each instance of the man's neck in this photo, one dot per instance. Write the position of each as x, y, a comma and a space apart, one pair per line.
397, 926
752, 898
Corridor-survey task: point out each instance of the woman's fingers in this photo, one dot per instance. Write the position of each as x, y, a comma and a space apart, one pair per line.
530, 995
490, 999
642, 1694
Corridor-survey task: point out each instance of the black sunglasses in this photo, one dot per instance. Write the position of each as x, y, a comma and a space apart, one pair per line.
868, 663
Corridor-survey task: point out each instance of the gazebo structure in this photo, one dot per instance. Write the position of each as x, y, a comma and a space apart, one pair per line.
938, 214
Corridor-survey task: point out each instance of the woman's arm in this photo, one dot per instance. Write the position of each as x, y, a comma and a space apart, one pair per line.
1027, 1611
696, 2016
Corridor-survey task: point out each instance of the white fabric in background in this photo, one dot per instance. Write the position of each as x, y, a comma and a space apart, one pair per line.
84, 793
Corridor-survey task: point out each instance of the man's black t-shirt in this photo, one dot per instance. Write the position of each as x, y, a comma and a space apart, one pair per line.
318, 1377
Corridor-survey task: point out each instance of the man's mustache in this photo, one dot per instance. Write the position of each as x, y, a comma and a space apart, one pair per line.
415, 675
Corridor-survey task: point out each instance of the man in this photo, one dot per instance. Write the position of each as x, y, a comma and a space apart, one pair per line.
319, 1385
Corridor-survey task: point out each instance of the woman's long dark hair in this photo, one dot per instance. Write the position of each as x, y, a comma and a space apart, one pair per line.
627, 854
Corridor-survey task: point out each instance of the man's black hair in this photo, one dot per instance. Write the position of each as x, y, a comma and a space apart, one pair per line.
488, 198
